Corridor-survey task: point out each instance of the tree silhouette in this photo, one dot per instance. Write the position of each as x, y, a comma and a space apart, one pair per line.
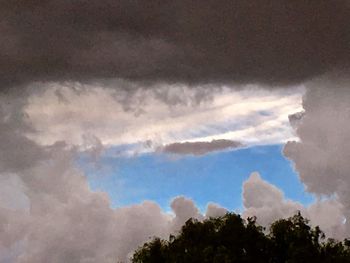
230, 239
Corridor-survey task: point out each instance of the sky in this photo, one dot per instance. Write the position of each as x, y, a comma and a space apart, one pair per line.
215, 177
120, 120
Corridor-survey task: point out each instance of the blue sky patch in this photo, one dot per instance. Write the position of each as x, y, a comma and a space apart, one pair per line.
215, 177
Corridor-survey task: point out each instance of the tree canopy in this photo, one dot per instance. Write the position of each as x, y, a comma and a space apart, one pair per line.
231, 239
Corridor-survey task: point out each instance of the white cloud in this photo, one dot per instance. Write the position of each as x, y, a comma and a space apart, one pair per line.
215, 210
251, 116
268, 203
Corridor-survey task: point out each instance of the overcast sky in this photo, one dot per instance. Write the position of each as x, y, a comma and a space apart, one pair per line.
119, 120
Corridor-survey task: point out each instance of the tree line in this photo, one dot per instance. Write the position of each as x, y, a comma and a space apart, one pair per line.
231, 239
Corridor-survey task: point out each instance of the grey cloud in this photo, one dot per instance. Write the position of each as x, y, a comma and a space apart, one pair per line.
199, 148
17, 152
184, 209
268, 203
12, 192
60, 219
55, 217
21, 149
66, 221
322, 155
215, 210
329, 214
93, 148
296, 118
268, 42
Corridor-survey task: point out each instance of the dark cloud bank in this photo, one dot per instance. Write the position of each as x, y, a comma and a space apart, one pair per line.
268, 41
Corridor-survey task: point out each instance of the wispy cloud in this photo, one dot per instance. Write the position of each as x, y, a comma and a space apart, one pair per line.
252, 116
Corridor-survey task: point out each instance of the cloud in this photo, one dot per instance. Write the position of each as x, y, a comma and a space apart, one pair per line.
199, 148
252, 116
49, 214
19, 153
12, 192
321, 156
268, 204
184, 209
215, 210
266, 201
271, 42
295, 119
56, 217
330, 215
65, 220
62, 219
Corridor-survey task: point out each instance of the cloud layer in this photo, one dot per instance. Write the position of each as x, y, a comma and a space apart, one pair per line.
150, 120
271, 42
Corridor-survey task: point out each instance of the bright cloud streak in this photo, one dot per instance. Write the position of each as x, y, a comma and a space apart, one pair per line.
251, 116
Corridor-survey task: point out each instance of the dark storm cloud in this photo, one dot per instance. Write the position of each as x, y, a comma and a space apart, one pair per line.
200, 148
267, 41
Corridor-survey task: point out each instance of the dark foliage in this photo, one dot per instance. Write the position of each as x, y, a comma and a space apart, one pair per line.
231, 239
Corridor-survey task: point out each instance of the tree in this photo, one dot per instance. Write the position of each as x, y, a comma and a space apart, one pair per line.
230, 239
294, 241
154, 251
